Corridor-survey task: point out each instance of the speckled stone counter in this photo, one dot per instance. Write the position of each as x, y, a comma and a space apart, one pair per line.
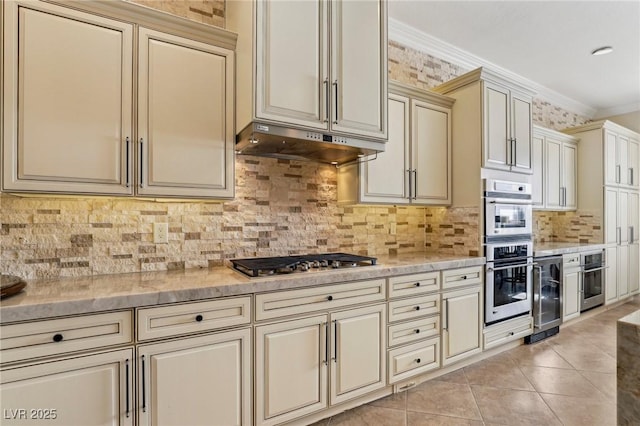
558, 248
628, 371
68, 296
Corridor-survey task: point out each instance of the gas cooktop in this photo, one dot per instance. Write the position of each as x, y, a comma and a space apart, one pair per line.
266, 266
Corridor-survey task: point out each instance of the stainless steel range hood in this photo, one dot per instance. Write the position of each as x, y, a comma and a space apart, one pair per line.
268, 140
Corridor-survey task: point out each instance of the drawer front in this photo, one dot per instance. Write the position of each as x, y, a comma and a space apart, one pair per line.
411, 285
414, 307
571, 260
176, 319
412, 331
302, 301
462, 277
57, 336
508, 331
412, 360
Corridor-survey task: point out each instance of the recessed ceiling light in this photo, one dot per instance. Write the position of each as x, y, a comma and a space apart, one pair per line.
602, 50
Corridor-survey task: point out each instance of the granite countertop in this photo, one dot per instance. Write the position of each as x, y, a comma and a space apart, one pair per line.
68, 296
557, 248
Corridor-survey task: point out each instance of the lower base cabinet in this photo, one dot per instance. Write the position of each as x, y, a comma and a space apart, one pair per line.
295, 359
507, 331
94, 389
196, 381
461, 316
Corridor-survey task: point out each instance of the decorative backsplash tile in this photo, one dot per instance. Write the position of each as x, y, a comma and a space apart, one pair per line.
454, 230
579, 226
206, 11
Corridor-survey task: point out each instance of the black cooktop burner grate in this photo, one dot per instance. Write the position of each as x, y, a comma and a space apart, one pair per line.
260, 266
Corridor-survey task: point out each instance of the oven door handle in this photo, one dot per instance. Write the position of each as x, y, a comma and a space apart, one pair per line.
502, 268
516, 202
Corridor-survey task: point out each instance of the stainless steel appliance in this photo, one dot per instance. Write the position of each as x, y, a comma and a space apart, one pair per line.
593, 278
508, 209
547, 298
508, 279
266, 266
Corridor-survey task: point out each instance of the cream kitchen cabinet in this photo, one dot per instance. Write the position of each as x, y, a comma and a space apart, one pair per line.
416, 164
501, 110
65, 371
296, 64
571, 286
69, 78
557, 172
462, 315
305, 365
621, 159
196, 380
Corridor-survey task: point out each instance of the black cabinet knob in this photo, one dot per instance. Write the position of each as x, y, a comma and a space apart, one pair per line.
418, 360
417, 308
417, 330
199, 317
417, 284
330, 298
57, 337
464, 277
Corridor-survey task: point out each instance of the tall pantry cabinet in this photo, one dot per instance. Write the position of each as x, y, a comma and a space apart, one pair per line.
608, 159
75, 121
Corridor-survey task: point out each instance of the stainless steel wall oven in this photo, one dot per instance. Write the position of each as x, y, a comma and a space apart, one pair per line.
508, 209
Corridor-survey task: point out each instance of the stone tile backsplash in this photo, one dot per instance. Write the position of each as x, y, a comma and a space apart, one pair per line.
580, 226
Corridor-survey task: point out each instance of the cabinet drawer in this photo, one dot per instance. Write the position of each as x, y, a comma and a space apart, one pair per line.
462, 277
171, 320
302, 301
56, 336
412, 360
571, 260
414, 307
411, 285
411, 331
507, 331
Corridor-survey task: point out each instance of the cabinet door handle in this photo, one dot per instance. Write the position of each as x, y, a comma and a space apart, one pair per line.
141, 163
410, 182
126, 392
618, 235
445, 326
326, 100
618, 173
415, 184
144, 388
335, 341
126, 148
630, 176
514, 152
335, 85
326, 342
631, 236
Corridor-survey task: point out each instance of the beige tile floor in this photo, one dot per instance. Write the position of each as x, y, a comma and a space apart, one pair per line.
568, 379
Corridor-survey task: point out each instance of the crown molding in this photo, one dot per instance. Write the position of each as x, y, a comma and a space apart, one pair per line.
418, 40
624, 109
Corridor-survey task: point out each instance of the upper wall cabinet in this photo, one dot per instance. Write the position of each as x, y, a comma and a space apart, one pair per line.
68, 98
555, 170
416, 164
320, 65
503, 108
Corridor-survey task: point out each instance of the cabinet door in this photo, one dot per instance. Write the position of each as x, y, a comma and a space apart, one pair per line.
553, 164
67, 101
359, 67
537, 185
521, 133
634, 268
633, 238
633, 162
610, 158
623, 271
623, 216
461, 312
430, 153
497, 149
622, 154
570, 175
610, 215
571, 296
196, 381
185, 117
291, 369
611, 285
385, 178
358, 363
292, 62
87, 390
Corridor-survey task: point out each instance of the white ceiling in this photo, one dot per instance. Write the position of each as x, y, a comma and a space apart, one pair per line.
546, 42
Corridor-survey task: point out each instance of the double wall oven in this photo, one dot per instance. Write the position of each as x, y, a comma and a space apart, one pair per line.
508, 242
